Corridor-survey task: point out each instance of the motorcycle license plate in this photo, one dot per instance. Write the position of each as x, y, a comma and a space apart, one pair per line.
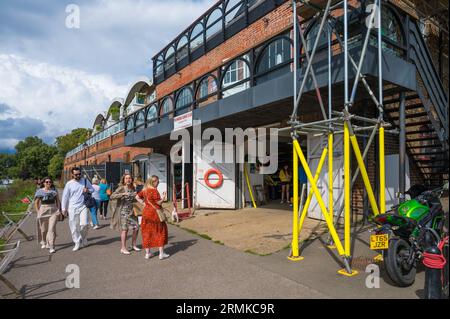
379, 241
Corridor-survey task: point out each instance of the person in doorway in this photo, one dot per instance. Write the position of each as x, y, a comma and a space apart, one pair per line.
73, 206
123, 215
154, 232
139, 183
285, 179
104, 192
95, 209
48, 207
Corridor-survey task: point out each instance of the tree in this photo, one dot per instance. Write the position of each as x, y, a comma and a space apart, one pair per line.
56, 166
7, 161
68, 142
33, 157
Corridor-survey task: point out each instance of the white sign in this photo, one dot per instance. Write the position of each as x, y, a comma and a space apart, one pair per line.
182, 121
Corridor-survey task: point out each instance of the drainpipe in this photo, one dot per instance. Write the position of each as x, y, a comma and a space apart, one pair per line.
402, 149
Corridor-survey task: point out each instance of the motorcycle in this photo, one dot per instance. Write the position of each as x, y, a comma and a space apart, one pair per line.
406, 231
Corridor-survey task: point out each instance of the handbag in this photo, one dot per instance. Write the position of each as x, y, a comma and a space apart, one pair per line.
88, 201
160, 212
61, 217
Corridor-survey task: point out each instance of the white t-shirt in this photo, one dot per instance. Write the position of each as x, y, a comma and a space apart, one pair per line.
96, 193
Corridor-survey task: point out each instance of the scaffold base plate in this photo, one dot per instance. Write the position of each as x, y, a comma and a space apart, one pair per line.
344, 272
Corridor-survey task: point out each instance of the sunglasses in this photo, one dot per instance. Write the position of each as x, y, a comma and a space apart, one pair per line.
48, 182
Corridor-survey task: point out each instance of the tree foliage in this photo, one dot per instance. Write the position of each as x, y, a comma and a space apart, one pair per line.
34, 158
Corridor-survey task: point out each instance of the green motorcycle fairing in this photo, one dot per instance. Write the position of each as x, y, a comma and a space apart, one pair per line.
413, 209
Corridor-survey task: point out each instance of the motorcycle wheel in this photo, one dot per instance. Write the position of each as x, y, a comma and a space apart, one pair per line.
401, 273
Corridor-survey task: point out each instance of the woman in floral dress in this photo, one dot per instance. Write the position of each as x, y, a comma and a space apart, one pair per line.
154, 232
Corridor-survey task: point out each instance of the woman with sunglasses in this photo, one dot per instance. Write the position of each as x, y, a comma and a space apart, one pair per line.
48, 207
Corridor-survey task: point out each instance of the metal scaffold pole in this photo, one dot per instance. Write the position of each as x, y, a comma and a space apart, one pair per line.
335, 123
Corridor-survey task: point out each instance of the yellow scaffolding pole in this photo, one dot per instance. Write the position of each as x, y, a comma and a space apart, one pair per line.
347, 191
365, 176
319, 198
310, 195
295, 256
330, 174
249, 186
382, 171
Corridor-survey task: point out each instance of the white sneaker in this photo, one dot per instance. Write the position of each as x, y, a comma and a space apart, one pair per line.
52, 250
148, 256
136, 248
76, 247
125, 252
96, 227
43, 246
92, 225
163, 256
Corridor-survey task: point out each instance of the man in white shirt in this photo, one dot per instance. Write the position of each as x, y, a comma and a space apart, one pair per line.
72, 204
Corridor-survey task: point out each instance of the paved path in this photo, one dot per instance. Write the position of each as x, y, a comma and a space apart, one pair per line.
197, 268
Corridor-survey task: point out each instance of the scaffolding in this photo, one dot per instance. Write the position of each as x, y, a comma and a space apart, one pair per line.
333, 123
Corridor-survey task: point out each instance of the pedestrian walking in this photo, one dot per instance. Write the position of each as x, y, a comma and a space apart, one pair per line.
48, 208
105, 192
154, 232
96, 196
73, 205
123, 217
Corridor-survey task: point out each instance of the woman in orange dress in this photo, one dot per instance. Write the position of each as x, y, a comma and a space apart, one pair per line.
154, 232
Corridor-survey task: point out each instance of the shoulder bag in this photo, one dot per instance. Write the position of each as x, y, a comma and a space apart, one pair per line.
160, 212
89, 201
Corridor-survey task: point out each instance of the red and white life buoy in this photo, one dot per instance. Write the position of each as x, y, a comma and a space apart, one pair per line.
218, 173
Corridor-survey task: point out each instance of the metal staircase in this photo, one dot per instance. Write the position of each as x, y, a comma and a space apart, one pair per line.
426, 114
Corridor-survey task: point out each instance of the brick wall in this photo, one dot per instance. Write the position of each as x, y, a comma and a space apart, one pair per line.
111, 149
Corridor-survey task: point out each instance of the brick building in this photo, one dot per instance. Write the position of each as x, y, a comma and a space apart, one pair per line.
233, 67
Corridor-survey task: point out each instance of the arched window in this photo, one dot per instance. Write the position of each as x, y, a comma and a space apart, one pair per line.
169, 58
184, 99
234, 10
182, 48
214, 24
166, 107
236, 76
196, 37
159, 67
206, 87
129, 125
140, 120
276, 53
391, 32
152, 115
312, 35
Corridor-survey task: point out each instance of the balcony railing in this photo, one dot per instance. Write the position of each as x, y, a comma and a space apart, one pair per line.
100, 136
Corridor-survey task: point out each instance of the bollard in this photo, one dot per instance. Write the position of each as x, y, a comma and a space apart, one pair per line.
434, 262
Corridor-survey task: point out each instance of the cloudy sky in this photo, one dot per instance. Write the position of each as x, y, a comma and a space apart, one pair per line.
54, 79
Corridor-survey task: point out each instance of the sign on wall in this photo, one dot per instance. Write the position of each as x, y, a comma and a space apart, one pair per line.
182, 121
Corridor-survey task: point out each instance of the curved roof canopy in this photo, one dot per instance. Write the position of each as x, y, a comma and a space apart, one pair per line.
141, 85
99, 120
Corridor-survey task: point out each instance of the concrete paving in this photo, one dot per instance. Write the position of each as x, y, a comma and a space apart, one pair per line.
197, 268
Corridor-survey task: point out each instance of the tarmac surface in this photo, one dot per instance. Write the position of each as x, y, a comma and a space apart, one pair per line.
197, 268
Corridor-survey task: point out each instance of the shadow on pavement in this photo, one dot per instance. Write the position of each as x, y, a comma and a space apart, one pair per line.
180, 246
16, 263
28, 291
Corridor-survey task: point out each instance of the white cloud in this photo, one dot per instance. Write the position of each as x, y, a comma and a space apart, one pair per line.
61, 98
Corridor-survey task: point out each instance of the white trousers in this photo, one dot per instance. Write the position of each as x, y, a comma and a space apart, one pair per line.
78, 223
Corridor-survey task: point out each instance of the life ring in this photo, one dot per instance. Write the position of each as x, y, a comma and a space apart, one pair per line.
218, 173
